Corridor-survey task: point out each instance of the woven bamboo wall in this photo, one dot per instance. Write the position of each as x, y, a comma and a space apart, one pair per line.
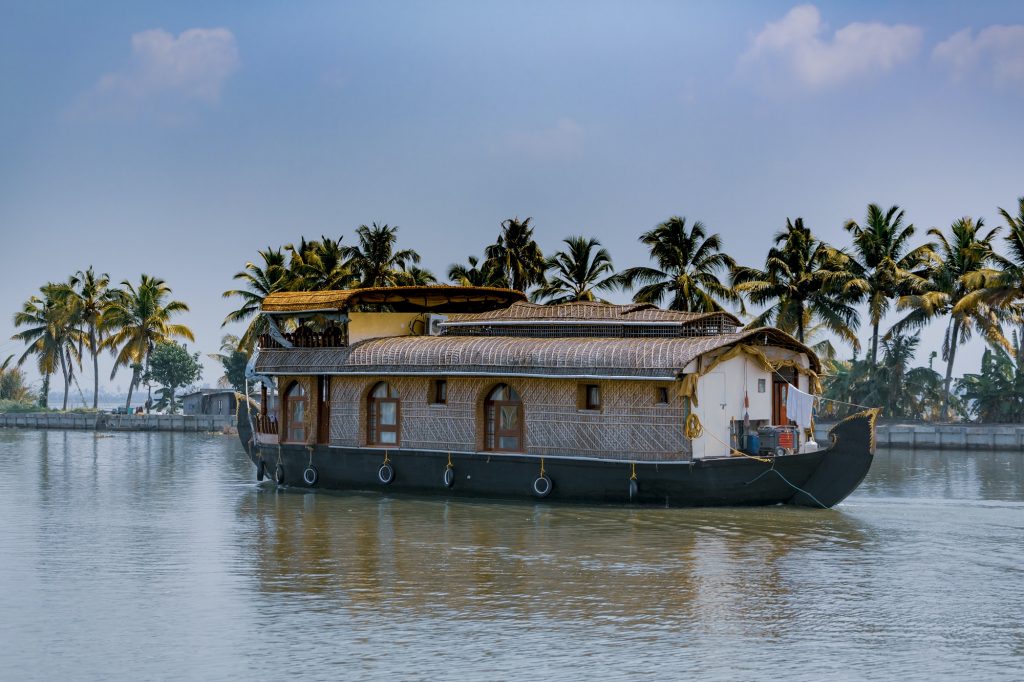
630, 425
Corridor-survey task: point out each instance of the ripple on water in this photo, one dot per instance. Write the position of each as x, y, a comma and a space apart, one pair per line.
155, 556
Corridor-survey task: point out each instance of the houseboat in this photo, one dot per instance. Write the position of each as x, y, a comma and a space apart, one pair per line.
472, 391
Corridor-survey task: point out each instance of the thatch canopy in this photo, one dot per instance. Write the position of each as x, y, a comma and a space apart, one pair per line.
650, 358
438, 298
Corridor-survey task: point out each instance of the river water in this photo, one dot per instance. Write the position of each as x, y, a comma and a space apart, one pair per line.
156, 556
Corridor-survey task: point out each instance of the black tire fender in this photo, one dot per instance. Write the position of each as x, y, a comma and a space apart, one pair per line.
261, 470
542, 486
310, 476
386, 474
449, 477
279, 474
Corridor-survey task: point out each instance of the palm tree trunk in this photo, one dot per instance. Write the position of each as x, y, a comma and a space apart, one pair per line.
95, 368
874, 342
149, 386
131, 388
800, 326
953, 342
64, 371
44, 395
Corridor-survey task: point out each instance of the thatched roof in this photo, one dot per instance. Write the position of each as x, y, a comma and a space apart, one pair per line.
439, 297
588, 311
497, 356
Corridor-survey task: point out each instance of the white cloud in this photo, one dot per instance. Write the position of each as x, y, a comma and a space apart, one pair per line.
997, 53
193, 65
794, 48
563, 141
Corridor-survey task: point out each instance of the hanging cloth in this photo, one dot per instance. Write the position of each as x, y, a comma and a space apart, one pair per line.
799, 406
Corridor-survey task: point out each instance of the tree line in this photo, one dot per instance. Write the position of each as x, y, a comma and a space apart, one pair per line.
969, 276
86, 315
965, 276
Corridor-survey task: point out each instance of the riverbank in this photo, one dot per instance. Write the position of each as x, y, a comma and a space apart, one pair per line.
910, 435
102, 421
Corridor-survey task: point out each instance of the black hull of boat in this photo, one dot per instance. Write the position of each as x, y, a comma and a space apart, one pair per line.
818, 479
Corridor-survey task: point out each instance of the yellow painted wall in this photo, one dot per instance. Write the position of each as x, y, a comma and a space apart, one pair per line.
362, 326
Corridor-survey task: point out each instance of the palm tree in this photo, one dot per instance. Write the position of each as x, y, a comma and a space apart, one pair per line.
1002, 287
996, 394
139, 318
92, 297
50, 335
803, 280
956, 270
689, 263
516, 256
883, 266
415, 276
260, 281
375, 260
319, 265
476, 274
583, 268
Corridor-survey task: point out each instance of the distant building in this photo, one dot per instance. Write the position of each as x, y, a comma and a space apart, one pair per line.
210, 401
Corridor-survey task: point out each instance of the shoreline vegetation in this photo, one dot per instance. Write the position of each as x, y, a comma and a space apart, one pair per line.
968, 277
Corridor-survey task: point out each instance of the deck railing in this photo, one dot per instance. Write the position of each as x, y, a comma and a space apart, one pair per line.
266, 425
304, 337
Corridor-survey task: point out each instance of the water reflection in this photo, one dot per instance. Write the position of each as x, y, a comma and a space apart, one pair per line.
163, 543
482, 559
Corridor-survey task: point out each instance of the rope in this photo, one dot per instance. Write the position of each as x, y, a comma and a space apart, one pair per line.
450, 465
386, 458
693, 429
734, 451
787, 482
542, 467
822, 398
632, 476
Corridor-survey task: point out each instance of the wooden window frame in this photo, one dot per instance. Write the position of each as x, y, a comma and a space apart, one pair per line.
661, 396
436, 388
374, 427
587, 404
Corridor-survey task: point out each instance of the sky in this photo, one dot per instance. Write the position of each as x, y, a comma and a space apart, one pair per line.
176, 139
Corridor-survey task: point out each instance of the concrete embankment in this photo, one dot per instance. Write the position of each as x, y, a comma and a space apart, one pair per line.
115, 422
921, 436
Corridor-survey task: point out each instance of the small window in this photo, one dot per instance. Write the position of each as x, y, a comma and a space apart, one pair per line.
440, 393
591, 397
661, 396
761, 386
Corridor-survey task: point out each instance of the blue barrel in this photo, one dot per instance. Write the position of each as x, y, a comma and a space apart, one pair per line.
751, 443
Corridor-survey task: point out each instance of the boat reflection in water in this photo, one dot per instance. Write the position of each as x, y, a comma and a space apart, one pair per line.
365, 551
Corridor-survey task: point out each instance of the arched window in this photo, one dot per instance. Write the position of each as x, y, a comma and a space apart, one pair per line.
295, 413
382, 415
503, 417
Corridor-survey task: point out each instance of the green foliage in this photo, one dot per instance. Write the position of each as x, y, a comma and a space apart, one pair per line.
171, 366
902, 391
576, 273
690, 264
12, 384
515, 256
476, 274
804, 281
233, 361
951, 287
996, 394
138, 319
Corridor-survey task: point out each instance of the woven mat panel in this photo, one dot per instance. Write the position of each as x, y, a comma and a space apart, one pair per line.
629, 426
